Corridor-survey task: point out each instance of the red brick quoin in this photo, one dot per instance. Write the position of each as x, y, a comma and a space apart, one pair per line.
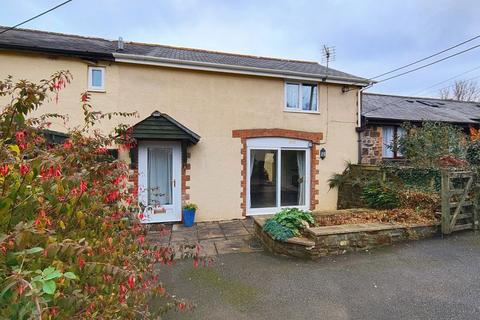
185, 180
314, 137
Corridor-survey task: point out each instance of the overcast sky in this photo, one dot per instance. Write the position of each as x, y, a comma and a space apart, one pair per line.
370, 37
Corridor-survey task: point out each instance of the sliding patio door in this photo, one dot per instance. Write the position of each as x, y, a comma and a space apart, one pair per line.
278, 174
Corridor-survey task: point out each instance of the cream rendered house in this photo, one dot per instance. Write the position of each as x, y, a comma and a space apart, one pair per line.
238, 135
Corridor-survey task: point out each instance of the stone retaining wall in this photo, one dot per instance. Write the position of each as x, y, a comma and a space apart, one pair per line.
295, 247
336, 240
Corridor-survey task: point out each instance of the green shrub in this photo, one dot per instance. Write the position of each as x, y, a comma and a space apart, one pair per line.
380, 196
426, 145
72, 245
292, 219
473, 153
277, 230
190, 206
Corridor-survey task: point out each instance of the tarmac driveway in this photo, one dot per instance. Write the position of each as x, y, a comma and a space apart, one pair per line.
429, 279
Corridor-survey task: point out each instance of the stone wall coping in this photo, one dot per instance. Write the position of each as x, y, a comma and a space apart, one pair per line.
362, 227
341, 212
301, 241
261, 220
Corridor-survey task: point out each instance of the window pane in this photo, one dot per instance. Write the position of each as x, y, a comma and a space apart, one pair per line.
387, 145
292, 95
97, 78
400, 133
309, 97
263, 178
293, 178
159, 176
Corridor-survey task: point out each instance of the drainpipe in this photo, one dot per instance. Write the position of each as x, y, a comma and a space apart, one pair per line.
359, 121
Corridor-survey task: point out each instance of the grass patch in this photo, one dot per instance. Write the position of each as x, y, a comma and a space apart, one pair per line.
233, 292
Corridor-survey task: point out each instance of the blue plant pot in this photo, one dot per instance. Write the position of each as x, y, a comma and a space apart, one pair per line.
188, 217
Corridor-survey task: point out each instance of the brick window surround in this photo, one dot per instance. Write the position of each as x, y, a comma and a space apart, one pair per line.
314, 137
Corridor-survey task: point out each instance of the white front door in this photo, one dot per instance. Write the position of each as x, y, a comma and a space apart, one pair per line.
159, 180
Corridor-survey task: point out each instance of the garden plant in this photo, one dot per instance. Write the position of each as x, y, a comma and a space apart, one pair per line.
71, 243
288, 223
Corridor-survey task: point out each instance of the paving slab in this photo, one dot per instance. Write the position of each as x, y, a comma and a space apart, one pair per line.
181, 227
210, 232
248, 222
231, 224
160, 227
208, 224
232, 232
185, 235
158, 240
233, 246
207, 248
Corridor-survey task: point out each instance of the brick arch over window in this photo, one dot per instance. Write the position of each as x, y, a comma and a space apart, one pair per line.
314, 137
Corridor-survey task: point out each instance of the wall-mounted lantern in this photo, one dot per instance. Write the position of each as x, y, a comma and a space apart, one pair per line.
323, 153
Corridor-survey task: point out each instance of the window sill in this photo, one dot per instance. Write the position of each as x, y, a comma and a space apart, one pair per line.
96, 90
301, 111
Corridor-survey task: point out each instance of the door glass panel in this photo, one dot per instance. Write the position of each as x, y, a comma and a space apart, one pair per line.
159, 176
293, 178
263, 178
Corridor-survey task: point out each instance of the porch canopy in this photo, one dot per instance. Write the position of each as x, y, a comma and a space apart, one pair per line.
160, 126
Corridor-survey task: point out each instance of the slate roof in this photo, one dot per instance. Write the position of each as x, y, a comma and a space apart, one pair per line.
160, 126
35, 40
415, 109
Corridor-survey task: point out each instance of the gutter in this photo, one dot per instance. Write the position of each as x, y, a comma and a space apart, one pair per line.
70, 53
217, 67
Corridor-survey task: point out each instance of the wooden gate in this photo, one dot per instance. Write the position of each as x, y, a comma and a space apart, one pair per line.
460, 201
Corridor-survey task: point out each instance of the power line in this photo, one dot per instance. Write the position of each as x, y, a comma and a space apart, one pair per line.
429, 64
426, 58
444, 81
37, 16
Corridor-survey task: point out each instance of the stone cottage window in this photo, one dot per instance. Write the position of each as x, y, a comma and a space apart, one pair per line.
390, 136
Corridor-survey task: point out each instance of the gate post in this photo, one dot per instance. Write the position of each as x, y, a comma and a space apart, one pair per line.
476, 199
445, 196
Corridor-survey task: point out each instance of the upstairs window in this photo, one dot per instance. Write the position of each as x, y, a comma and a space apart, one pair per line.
96, 78
301, 97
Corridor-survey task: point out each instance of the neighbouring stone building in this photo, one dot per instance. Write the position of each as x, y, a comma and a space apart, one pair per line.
371, 144
383, 116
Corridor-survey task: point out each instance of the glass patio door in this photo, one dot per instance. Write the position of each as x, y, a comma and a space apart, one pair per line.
278, 176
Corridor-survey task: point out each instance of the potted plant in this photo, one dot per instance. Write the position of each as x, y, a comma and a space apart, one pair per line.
189, 210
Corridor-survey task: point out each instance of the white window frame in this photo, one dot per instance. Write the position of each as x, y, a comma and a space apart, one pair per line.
299, 108
392, 153
90, 79
279, 144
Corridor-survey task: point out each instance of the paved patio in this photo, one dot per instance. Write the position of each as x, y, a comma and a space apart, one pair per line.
214, 238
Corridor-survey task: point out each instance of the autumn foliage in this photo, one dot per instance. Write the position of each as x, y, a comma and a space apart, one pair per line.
71, 246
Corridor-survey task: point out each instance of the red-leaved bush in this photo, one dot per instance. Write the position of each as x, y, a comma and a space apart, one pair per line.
71, 246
